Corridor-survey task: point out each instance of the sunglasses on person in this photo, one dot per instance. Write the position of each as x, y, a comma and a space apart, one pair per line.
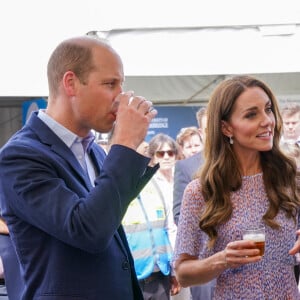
161, 154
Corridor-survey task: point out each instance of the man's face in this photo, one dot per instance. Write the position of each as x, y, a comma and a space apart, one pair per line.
291, 127
95, 105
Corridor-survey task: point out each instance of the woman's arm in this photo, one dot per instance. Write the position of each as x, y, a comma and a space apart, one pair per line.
193, 271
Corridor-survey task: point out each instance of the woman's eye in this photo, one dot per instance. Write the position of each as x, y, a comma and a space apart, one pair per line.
269, 109
251, 115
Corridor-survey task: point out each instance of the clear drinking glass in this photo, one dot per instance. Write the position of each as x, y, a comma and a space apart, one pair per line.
258, 236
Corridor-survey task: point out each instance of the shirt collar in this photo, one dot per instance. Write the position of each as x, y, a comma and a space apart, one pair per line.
67, 136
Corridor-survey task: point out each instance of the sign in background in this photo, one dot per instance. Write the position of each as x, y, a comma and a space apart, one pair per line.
170, 119
32, 105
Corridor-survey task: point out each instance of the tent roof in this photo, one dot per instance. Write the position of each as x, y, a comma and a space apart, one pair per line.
194, 90
173, 51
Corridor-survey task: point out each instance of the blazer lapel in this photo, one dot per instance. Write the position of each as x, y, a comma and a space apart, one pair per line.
68, 155
48, 137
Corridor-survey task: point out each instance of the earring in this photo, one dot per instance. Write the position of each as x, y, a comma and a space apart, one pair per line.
230, 140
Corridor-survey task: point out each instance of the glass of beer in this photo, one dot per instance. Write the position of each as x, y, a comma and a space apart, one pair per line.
258, 236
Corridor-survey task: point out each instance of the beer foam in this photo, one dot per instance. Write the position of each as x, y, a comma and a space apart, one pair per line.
257, 237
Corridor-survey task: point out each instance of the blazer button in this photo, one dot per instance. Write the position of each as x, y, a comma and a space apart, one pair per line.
125, 265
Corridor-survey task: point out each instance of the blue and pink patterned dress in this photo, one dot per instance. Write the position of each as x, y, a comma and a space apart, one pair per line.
271, 278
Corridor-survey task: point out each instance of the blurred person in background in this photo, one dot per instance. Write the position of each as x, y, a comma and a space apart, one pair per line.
290, 114
292, 150
201, 117
150, 227
185, 169
103, 139
143, 148
189, 141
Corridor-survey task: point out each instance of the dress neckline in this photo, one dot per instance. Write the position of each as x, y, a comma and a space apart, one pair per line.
252, 176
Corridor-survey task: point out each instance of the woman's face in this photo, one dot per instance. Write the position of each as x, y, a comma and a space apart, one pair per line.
252, 122
191, 145
165, 156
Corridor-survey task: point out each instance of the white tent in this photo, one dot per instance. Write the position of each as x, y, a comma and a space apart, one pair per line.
173, 51
183, 65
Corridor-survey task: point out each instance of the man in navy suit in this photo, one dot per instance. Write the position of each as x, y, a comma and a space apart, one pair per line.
62, 198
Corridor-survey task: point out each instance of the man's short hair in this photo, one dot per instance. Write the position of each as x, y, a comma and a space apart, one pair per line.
290, 109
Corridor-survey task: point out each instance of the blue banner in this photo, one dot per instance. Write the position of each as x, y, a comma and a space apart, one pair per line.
32, 105
170, 119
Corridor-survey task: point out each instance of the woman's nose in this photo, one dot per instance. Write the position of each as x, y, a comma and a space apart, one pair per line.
266, 120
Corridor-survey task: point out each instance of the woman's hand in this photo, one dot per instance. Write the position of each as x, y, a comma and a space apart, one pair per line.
193, 271
175, 286
240, 252
296, 247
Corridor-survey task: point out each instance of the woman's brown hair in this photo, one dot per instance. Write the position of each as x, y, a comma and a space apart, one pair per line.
221, 174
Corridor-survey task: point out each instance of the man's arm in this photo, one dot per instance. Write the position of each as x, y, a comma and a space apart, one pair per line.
46, 187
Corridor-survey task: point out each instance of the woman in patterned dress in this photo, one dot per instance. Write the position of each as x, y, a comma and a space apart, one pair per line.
246, 181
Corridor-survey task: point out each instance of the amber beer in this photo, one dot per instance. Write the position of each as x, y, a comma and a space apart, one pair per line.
258, 236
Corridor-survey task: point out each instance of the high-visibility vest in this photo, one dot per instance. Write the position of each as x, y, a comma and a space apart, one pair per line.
145, 227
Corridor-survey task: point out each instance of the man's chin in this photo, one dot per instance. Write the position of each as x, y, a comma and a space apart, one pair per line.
107, 128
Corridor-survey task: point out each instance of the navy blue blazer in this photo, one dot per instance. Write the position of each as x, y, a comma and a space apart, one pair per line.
12, 273
184, 172
67, 234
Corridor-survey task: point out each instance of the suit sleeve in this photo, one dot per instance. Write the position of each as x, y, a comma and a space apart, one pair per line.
43, 190
181, 179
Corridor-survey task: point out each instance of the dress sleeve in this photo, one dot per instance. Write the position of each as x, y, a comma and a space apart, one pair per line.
189, 236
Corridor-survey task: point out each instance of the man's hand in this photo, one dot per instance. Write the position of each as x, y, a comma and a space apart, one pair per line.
133, 118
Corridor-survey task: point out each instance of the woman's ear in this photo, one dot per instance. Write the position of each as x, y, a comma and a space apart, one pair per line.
226, 128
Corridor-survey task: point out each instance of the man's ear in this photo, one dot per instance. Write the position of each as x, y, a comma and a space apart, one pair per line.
226, 128
69, 83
